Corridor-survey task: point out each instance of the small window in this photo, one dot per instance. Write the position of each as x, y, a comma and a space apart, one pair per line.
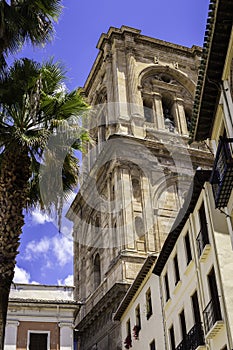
172, 338
167, 291
188, 248
97, 271
138, 317
152, 345
128, 339
177, 272
147, 107
148, 304
139, 228
203, 237
137, 327
136, 186
183, 325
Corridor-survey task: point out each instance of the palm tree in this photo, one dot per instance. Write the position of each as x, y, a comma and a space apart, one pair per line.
39, 133
25, 20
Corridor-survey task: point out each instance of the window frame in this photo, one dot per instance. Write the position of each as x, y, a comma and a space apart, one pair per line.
188, 249
31, 331
149, 307
166, 287
176, 269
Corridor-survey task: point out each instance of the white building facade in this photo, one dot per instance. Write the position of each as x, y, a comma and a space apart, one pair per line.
40, 317
189, 284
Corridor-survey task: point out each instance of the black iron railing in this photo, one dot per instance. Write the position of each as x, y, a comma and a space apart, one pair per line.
211, 314
222, 174
193, 339
202, 241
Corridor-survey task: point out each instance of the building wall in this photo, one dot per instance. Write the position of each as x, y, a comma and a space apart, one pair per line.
24, 327
194, 277
152, 328
40, 308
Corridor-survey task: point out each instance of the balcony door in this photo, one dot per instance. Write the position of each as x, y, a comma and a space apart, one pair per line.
214, 295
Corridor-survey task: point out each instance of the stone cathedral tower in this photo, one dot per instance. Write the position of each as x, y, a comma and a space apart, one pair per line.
136, 171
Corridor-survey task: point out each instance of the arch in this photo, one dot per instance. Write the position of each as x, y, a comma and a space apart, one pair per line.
187, 83
101, 96
166, 182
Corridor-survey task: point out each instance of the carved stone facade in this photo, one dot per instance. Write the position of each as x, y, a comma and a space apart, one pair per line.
136, 171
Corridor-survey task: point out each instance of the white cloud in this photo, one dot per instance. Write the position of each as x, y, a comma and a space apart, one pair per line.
63, 249
21, 275
60, 247
40, 218
35, 248
68, 281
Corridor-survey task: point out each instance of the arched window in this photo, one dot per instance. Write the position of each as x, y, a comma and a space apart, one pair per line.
139, 228
167, 113
136, 189
148, 109
97, 271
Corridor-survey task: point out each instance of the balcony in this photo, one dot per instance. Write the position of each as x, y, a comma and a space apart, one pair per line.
203, 244
212, 319
194, 339
222, 175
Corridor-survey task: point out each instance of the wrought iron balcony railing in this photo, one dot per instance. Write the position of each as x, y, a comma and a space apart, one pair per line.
211, 314
193, 339
222, 174
202, 241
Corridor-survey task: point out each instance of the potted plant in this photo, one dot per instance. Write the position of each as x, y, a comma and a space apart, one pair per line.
136, 330
128, 342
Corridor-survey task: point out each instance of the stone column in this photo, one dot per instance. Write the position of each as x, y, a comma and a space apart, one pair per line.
11, 335
66, 335
179, 114
134, 96
119, 85
148, 214
158, 107
127, 207
108, 58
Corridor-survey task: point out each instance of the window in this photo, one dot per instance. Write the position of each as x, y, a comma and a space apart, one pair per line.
152, 345
212, 312
196, 309
202, 238
137, 327
38, 340
214, 294
128, 339
138, 317
167, 291
167, 113
183, 325
136, 186
147, 107
97, 271
139, 228
176, 266
172, 338
188, 248
148, 304
203, 222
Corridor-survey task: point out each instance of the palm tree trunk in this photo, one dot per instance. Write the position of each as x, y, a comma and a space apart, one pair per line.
14, 175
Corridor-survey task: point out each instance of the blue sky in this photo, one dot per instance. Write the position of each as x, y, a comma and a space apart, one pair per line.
46, 255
